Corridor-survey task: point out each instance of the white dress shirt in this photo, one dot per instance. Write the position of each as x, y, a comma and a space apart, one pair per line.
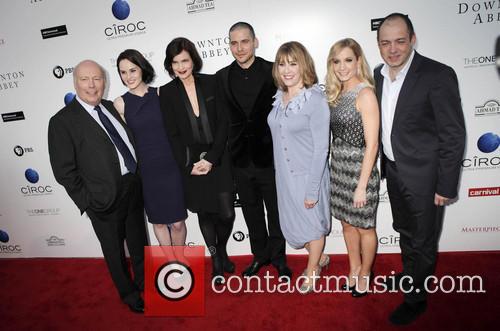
118, 127
390, 94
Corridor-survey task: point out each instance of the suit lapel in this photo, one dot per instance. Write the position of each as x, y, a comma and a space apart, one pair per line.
406, 90
86, 121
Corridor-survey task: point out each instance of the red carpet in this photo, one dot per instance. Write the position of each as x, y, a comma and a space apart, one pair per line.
77, 294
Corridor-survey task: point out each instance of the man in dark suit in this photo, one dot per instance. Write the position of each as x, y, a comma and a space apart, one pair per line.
245, 91
92, 157
423, 140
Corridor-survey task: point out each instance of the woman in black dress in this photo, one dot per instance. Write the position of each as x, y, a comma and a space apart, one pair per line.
198, 134
161, 180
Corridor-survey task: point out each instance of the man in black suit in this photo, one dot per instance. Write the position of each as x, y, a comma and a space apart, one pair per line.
92, 157
423, 140
245, 91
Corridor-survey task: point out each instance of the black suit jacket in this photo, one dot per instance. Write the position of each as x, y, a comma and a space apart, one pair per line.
428, 131
178, 124
84, 159
249, 137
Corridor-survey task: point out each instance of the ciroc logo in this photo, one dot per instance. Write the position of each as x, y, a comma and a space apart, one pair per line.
30, 190
31, 175
69, 97
121, 11
487, 144
8, 249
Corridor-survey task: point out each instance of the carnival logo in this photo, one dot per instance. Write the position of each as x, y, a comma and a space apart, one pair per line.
68, 97
121, 11
19, 150
55, 31
55, 241
479, 61
195, 6
59, 71
484, 191
33, 190
490, 107
10, 80
480, 12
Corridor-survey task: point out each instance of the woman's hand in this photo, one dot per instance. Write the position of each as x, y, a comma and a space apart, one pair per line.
201, 167
359, 199
310, 203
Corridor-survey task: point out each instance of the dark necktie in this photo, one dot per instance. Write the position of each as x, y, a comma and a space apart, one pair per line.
117, 140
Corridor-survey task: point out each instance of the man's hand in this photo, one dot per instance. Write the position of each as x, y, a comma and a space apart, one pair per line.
440, 200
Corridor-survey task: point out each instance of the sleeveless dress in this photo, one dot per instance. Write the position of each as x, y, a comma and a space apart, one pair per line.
347, 151
161, 178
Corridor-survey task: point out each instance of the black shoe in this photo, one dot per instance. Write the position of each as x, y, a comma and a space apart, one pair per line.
357, 294
217, 270
406, 312
137, 307
284, 271
254, 268
228, 265
346, 287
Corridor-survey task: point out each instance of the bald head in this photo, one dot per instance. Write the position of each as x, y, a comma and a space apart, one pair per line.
89, 80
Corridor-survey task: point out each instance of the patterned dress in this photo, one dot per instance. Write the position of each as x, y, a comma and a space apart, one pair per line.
347, 151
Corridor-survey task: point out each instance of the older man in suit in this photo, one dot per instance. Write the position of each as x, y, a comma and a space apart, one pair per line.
92, 156
423, 140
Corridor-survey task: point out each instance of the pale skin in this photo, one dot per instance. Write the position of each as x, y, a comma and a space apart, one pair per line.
395, 45
131, 75
182, 65
291, 76
361, 243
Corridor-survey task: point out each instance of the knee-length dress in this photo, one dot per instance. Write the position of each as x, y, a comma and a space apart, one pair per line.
161, 179
300, 132
347, 152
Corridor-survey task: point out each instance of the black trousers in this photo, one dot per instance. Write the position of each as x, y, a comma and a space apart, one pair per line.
124, 223
256, 187
419, 222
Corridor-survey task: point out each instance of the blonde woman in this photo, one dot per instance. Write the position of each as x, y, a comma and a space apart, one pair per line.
354, 176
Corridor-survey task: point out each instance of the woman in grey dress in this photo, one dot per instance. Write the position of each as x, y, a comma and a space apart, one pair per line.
299, 124
354, 175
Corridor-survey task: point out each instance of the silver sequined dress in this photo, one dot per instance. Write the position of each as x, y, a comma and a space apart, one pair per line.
347, 151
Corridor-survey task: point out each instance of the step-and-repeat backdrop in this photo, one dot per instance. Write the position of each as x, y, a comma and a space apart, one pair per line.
42, 40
